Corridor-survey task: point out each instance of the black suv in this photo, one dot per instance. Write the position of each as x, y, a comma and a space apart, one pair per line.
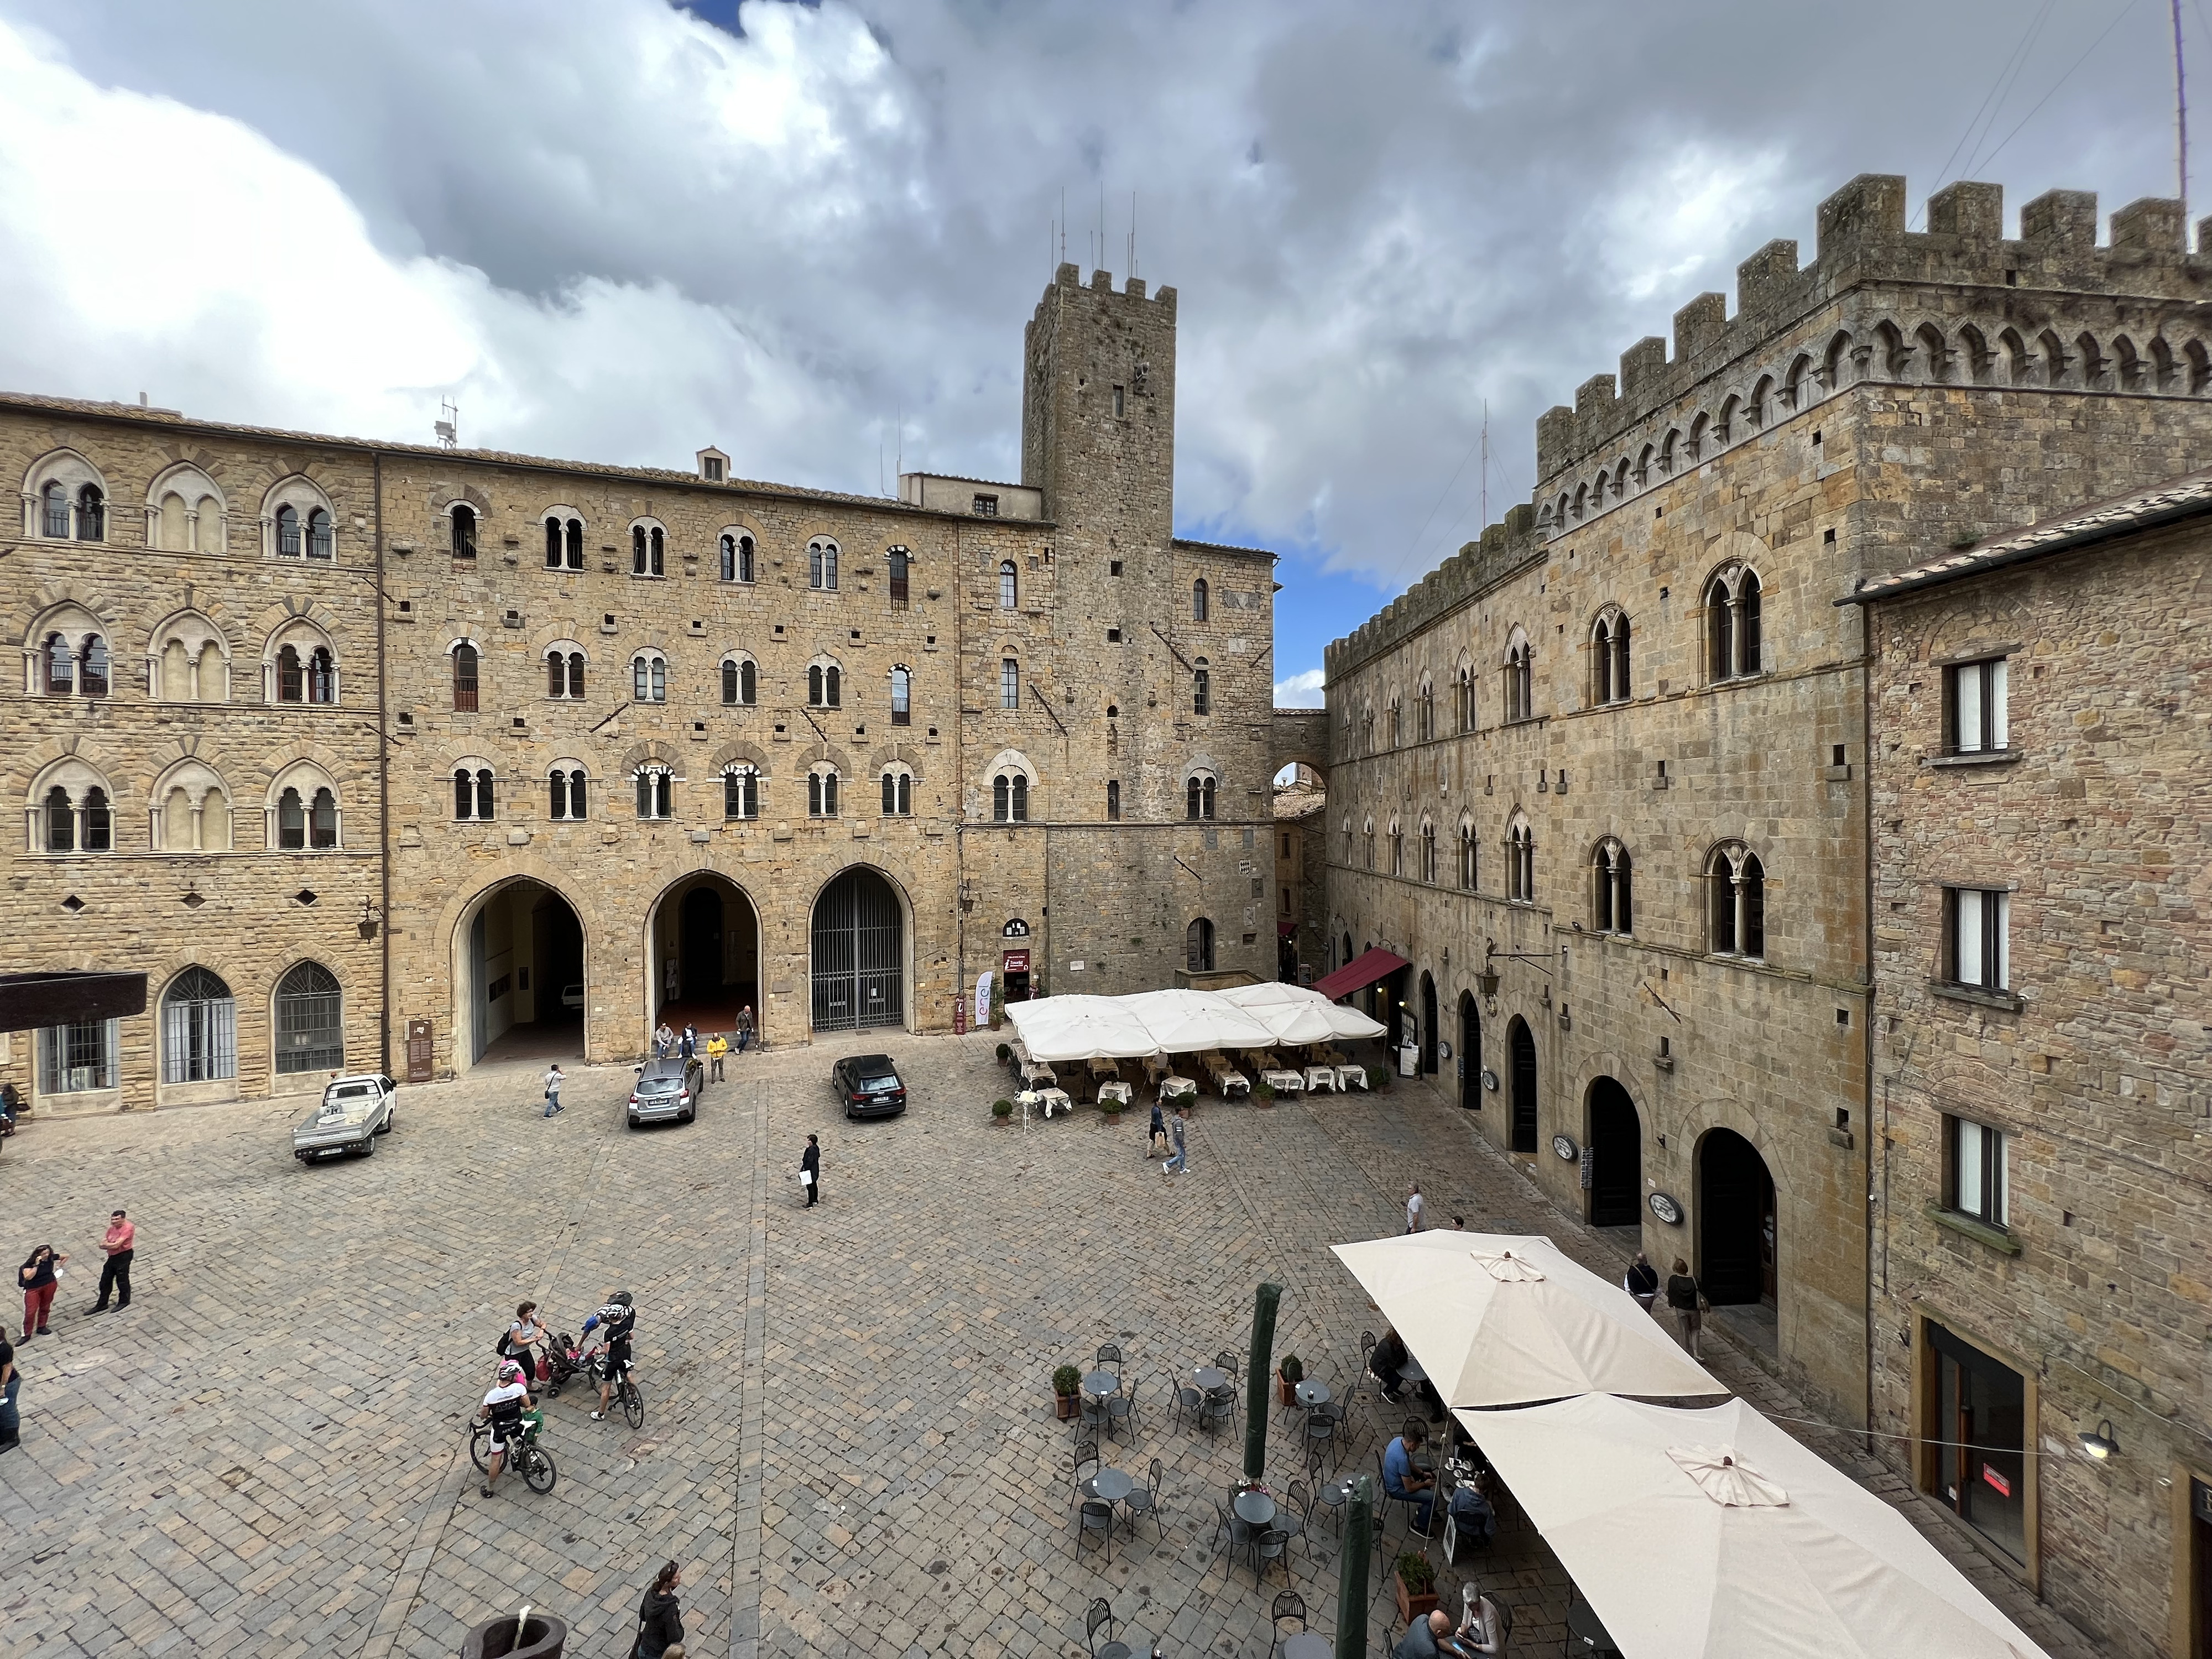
665, 1089
868, 1085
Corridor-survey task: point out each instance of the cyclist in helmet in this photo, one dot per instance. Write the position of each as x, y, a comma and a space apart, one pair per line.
503, 1407
620, 1319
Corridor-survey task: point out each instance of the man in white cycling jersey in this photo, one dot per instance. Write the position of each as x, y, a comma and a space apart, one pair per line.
503, 1407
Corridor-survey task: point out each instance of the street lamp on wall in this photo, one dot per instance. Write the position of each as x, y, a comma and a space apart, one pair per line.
2100, 1442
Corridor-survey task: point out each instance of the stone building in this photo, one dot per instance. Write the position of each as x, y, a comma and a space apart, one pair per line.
1601, 779
372, 754
2041, 719
1302, 844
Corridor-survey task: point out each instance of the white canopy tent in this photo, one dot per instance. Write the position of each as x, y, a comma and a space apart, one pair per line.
1500, 1319
1710, 1534
1063, 1028
1297, 1014
1186, 1022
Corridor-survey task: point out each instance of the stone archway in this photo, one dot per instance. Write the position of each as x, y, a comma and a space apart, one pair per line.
1470, 1051
703, 954
520, 975
1616, 1143
857, 965
1522, 1043
1737, 1230
1428, 1024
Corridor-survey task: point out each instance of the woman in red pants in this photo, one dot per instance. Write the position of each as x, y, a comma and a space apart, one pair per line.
36, 1279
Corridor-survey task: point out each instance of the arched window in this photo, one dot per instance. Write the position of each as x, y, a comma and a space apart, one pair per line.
1113, 800
322, 818
825, 685
1612, 902
1198, 600
464, 678
822, 793
321, 543
1467, 856
58, 666
1370, 843
99, 821
291, 822
1010, 798
200, 1028
91, 514
472, 794
322, 676
1428, 851
1397, 848
900, 564
732, 681
1397, 721
741, 791
1009, 586
288, 532
655, 787
310, 1026
1610, 659
736, 556
649, 678
1198, 794
1520, 680
1463, 698
1732, 623
291, 681
1201, 689
1424, 712
822, 564
464, 518
1367, 731
898, 792
61, 820
54, 501
564, 673
1521, 862
1198, 946
901, 696
1736, 894
1010, 683
568, 791
92, 677
552, 543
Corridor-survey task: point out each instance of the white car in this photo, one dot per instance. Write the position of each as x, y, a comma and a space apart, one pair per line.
353, 1112
572, 998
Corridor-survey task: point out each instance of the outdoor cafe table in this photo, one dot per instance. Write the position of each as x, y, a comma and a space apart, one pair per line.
1351, 1076
1412, 1371
1284, 1083
1173, 1087
1099, 1385
1047, 1098
1584, 1630
1110, 1485
1319, 1077
1113, 1091
1210, 1377
1255, 1509
1306, 1645
1225, 1078
1336, 1494
1310, 1393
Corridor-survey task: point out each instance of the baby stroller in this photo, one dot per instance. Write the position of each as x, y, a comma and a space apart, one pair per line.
562, 1361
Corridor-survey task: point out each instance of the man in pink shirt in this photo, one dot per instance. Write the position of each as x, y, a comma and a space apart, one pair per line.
115, 1276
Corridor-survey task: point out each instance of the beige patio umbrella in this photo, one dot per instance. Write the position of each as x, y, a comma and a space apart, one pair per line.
1710, 1534
1498, 1319
1055, 1030
1297, 1015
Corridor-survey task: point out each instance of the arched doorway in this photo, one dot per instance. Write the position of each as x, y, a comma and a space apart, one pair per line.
1523, 1044
519, 980
1736, 1235
1470, 1052
860, 953
1428, 1025
1616, 1144
704, 957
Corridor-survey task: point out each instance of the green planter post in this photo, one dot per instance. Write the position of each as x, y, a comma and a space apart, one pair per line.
1259, 1367
1351, 1570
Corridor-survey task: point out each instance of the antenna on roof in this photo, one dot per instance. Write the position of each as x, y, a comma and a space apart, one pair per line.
1133, 234
1486, 463
449, 423
1101, 219
2180, 121
1063, 228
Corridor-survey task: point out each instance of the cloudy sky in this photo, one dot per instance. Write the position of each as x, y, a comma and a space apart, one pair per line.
622, 229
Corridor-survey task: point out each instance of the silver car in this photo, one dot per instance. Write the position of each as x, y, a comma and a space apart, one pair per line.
667, 1089
354, 1111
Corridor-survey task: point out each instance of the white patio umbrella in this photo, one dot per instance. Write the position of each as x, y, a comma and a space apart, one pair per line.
1186, 1022
1710, 1534
1297, 1014
1498, 1319
1061, 1028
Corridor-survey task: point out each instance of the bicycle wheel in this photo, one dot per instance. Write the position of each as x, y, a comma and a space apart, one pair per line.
632, 1404
537, 1470
480, 1448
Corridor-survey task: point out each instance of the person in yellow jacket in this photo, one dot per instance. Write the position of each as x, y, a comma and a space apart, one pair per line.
717, 1046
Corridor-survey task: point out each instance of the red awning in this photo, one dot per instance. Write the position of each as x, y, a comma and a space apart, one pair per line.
1357, 975
1287, 930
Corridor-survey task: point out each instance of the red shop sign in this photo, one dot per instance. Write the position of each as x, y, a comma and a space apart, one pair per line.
1017, 962
2003, 1486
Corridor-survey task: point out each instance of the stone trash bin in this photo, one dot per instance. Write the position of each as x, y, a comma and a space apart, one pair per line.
544, 1637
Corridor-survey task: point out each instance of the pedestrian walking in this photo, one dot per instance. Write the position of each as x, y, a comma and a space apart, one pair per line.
1687, 1298
659, 1620
555, 1077
1642, 1282
10, 1380
664, 1039
1413, 1208
1159, 1131
40, 1272
718, 1047
745, 1028
120, 1242
810, 1170
1178, 1130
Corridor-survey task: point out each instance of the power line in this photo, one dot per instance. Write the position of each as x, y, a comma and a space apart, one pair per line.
2009, 70
1480, 440
2055, 85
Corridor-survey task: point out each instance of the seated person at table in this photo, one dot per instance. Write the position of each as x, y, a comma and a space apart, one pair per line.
1472, 1516
1429, 1637
1401, 1480
1387, 1362
1486, 1628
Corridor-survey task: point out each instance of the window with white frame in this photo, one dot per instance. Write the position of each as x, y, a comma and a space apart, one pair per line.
737, 552
1735, 893
648, 549
75, 666
656, 789
306, 816
825, 685
1611, 898
822, 564
564, 542
741, 791
564, 672
473, 793
901, 696
1974, 715
898, 792
567, 794
1976, 928
649, 678
1010, 798
78, 1058
1010, 683
822, 792
1974, 1177
740, 682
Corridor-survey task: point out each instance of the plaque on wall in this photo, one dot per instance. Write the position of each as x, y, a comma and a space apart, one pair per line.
1566, 1147
1666, 1209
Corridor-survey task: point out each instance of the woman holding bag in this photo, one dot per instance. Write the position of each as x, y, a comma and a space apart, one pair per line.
37, 1278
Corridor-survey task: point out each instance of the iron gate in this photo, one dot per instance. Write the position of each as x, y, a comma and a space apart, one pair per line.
856, 980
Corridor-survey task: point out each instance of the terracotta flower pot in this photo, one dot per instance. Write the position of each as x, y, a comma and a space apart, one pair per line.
1063, 1407
1283, 1387
1412, 1606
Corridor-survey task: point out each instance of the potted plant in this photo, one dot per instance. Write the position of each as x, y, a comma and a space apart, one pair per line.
1265, 1094
1378, 1077
1005, 1054
1416, 1583
1001, 1110
1065, 1381
1288, 1376
1111, 1105
998, 1003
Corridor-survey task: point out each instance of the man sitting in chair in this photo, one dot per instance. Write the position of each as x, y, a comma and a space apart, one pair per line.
1401, 1480
1429, 1637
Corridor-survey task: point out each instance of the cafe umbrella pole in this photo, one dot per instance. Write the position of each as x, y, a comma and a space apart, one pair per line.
1351, 1570
1259, 1367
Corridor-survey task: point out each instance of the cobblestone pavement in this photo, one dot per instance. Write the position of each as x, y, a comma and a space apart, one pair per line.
848, 1439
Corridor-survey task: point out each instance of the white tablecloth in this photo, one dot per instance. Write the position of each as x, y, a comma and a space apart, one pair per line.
1172, 1086
1113, 1091
1351, 1076
1284, 1083
1321, 1076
